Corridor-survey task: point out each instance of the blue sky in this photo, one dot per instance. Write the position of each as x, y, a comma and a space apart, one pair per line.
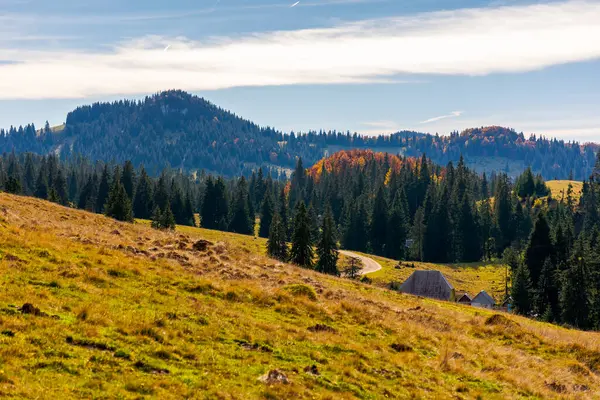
372, 66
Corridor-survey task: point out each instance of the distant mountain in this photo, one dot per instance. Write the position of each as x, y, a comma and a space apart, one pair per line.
181, 131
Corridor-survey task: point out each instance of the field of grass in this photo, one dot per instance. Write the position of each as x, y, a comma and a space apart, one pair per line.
559, 189
123, 311
471, 278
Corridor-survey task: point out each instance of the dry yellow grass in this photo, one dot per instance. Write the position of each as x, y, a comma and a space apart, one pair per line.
559, 189
133, 312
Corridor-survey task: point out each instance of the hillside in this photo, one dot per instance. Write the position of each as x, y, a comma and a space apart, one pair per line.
178, 130
123, 311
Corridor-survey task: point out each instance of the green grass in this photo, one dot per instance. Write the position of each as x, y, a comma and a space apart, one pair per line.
131, 312
471, 277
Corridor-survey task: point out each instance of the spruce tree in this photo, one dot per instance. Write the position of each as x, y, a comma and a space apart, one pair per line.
327, 246
143, 201
128, 179
379, 223
277, 243
539, 248
103, 190
241, 222
41, 185
29, 176
118, 205
575, 294
521, 292
60, 187
547, 291
397, 229
266, 215
302, 250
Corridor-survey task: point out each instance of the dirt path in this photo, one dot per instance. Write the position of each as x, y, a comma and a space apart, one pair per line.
369, 265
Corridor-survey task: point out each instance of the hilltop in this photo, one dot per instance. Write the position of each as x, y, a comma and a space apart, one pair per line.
91, 307
178, 130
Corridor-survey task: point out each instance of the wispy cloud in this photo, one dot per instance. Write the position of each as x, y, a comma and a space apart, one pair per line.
453, 114
461, 42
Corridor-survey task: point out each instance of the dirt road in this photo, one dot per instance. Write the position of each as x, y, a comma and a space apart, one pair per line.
369, 265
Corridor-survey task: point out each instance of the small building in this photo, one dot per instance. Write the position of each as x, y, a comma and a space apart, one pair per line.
432, 284
464, 298
483, 300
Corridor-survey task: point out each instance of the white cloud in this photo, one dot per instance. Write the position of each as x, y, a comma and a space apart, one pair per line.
453, 114
462, 42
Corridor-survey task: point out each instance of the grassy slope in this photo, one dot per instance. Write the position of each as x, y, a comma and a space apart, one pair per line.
146, 315
559, 188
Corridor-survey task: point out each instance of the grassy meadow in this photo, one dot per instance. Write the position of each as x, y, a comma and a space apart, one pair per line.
121, 311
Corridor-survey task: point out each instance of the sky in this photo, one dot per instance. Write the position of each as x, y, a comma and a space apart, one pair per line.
370, 66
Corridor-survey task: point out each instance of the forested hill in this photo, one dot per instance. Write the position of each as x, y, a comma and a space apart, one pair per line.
178, 130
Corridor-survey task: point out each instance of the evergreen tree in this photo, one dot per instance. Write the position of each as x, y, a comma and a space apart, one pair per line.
29, 176
327, 246
41, 185
118, 205
266, 216
379, 223
276, 244
525, 185
163, 219
575, 296
521, 292
143, 201
87, 197
103, 190
283, 214
128, 179
162, 198
539, 248
302, 251
502, 215
241, 222
397, 229
547, 291
73, 187
60, 187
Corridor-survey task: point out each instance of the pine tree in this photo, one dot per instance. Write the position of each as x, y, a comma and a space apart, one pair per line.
143, 201
327, 246
397, 229
277, 244
118, 205
575, 296
283, 214
103, 190
539, 248
521, 292
73, 187
503, 215
525, 185
60, 187
41, 185
87, 197
379, 223
128, 179
29, 176
547, 291
161, 193
302, 251
266, 215
241, 222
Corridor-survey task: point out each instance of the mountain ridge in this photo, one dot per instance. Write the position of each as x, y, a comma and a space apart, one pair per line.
182, 131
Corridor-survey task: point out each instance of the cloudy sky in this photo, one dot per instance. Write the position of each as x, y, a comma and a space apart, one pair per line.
372, 66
